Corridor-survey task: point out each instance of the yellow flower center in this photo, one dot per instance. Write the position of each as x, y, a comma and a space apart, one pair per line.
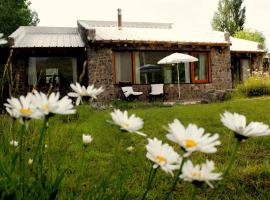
189, 143
161, 159
46, 107
26, 111
196, 174
126, 125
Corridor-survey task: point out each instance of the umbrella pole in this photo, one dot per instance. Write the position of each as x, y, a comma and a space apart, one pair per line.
178, 82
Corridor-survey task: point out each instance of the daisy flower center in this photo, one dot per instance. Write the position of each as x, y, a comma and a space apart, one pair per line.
46, 107
26, 111
196, 174
126, 125
161, 159
189, 143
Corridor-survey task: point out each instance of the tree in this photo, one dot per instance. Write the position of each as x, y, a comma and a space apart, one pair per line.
230, 16
255, 36
15, 13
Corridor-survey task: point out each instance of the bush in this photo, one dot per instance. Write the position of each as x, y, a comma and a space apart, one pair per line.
255, 86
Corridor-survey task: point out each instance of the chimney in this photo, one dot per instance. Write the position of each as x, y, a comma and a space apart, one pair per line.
227, 36
119, 19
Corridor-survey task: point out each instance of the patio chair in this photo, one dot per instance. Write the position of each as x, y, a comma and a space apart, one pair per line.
156, 91
128, 91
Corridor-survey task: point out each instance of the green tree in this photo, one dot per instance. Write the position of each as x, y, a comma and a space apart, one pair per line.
230, 16
255, 36
15, 13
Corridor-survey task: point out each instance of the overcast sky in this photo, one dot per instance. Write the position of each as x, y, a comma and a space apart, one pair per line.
191, 14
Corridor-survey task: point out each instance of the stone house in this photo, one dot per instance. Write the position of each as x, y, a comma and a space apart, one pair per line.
115, 52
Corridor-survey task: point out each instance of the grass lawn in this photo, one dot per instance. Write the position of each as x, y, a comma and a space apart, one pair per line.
108, 171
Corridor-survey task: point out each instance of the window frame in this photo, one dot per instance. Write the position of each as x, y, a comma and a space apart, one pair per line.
191, 68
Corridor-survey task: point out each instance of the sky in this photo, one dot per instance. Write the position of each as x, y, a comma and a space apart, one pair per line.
189, 14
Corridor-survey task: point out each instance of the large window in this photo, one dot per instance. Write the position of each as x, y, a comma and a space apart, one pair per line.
200, 68
140, 67
56, 70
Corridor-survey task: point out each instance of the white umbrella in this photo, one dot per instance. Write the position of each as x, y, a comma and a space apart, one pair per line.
177, 58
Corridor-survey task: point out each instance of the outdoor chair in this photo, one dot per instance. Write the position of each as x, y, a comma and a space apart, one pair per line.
128, 91
156, 91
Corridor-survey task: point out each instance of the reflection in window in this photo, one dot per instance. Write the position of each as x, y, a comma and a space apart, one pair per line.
141, 67
56, 70
123, 66
147, 70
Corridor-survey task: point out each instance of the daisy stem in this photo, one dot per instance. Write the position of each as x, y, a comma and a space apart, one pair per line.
42, 133
176, 178
150, 180
233, 156
194, 192
21, 168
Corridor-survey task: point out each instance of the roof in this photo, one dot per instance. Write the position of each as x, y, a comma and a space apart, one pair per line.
29, 36
245, 46
150, 32
92, 23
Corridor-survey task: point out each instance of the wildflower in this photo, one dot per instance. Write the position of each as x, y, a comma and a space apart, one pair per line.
130, 124
52, 103
237, 123
30, 161
82, 91
163, 156
87, 139
14, 143
46, 146
130, 148
197, 173
23, 108
192, 138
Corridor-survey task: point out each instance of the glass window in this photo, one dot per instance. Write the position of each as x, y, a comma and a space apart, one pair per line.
200, 68
123, 67
148, 71
56, 70
140, 67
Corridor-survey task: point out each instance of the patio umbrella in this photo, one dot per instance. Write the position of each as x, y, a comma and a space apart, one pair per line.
177, 58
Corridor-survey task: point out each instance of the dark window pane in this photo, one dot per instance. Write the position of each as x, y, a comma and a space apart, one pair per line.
56, 70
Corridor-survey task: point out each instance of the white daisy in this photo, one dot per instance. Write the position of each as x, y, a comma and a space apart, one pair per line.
30, 161
53, 103
23, 108
192, 138
131, 124
82, 91
87, 139
237, 123
163, 156
201, 173
14, 143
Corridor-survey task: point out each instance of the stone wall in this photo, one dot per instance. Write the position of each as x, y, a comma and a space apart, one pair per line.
100, 69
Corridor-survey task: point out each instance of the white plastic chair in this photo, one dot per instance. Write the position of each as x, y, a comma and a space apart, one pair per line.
156, 90
129, 92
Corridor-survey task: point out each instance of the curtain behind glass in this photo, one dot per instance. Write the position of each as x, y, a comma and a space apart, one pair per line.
202, 67
32, 71
123, 67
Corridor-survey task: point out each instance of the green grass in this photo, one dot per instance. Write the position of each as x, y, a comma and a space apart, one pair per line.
107, 166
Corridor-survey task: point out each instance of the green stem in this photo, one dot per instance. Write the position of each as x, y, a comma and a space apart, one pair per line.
193, 196
233, 156
176, 178
150, 180
42, 133
21, 168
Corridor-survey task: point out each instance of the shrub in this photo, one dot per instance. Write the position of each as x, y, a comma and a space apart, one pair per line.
256, 85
